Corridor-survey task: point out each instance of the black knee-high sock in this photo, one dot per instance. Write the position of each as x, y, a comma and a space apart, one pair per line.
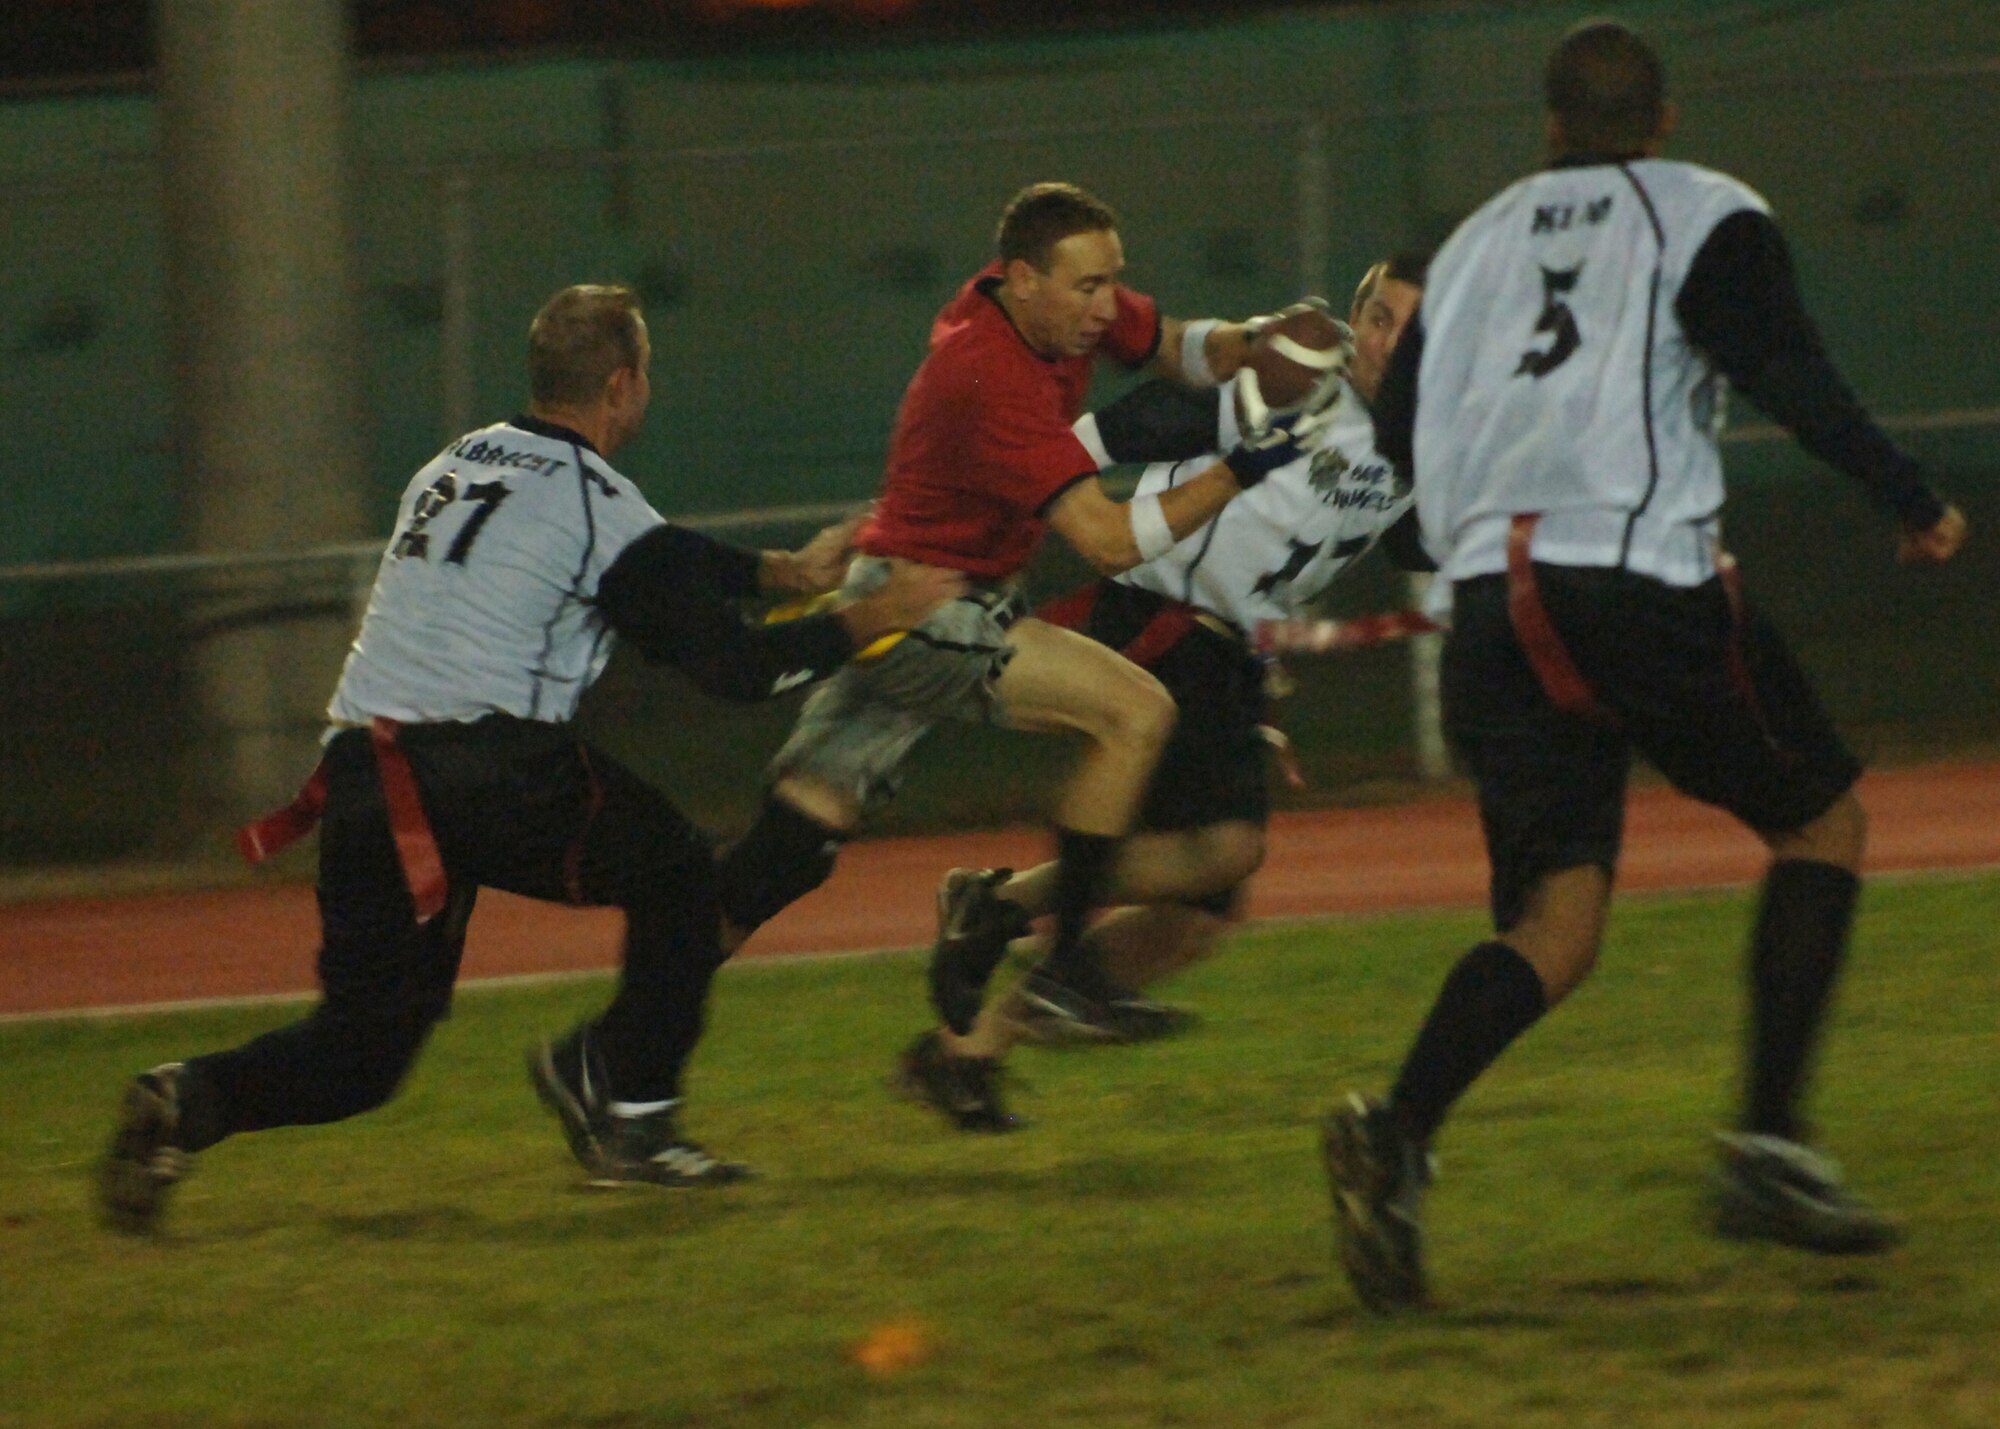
1082, 862
1796, 953
1489, 998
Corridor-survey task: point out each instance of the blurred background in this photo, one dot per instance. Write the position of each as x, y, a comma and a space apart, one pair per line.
259, 260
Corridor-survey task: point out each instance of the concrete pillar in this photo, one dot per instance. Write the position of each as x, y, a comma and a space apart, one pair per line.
253, 137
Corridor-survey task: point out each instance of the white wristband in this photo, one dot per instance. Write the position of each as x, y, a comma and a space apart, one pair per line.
1086, 431
1194, 353
1150, 531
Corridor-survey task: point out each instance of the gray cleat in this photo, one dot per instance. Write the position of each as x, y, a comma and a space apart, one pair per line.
1054, 1013
1769, 1188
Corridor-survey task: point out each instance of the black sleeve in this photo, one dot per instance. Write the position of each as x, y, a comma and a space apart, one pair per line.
708, 564
1741, 305
669, 592
1395, 405
1161, 421
1403, 544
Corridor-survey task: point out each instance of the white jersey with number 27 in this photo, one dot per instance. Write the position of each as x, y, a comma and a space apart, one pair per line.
482, 604
1556, 378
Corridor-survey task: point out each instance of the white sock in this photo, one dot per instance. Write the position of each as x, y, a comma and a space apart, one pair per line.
639, 1108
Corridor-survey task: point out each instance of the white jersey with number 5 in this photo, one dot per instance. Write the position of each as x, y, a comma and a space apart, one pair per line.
1282, 542
482, 604
1556, 377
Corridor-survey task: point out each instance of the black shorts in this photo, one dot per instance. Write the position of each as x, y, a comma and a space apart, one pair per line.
1212, 770
1715, 702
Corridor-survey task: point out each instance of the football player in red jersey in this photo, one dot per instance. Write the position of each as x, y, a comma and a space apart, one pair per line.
981, 463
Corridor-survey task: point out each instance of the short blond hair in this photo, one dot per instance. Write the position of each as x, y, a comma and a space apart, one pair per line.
580, 337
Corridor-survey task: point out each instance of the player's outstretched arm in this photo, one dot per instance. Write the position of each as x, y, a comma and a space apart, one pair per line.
1156, 421
1115, 536
1295, 361
1934, 545
820, 564
1203, 353
1741, 305
670, 594
1208, 351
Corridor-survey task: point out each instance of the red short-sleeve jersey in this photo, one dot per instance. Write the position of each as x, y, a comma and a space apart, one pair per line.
983, 442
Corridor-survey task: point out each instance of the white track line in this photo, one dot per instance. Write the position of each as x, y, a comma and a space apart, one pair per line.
1277, 922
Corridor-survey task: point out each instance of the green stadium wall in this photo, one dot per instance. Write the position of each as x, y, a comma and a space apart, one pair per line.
795, 221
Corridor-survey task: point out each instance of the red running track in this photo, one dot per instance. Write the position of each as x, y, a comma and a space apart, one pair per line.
97, 953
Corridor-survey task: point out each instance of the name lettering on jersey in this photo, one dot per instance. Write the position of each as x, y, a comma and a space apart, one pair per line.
1374, 498
1559, 217
1371, 486
485, 453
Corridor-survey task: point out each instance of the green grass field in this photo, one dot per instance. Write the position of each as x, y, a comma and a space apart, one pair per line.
1153, 1251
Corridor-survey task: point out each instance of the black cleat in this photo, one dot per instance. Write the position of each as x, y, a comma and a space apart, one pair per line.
570, 1080
965, 1089
1378, 1177
1055, 1013
651, 1149
145, 1158
975, 924
1772, 1189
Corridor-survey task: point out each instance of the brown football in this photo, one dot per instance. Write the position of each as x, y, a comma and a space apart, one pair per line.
1284, 382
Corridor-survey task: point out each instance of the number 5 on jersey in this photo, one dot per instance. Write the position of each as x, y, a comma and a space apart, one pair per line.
1557, 320
415, 538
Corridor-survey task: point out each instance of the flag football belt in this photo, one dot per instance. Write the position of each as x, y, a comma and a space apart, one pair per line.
416, 847
1549, 658
1169, 625
999, 599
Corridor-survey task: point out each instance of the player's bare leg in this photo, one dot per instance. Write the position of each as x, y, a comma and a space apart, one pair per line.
1165, 874
1059, 681
1156, 867
1150, 943
1139, 946
1055, 681
1560, 933
1839, 837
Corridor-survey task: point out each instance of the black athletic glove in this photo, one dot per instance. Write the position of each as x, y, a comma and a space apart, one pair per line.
1280, 444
